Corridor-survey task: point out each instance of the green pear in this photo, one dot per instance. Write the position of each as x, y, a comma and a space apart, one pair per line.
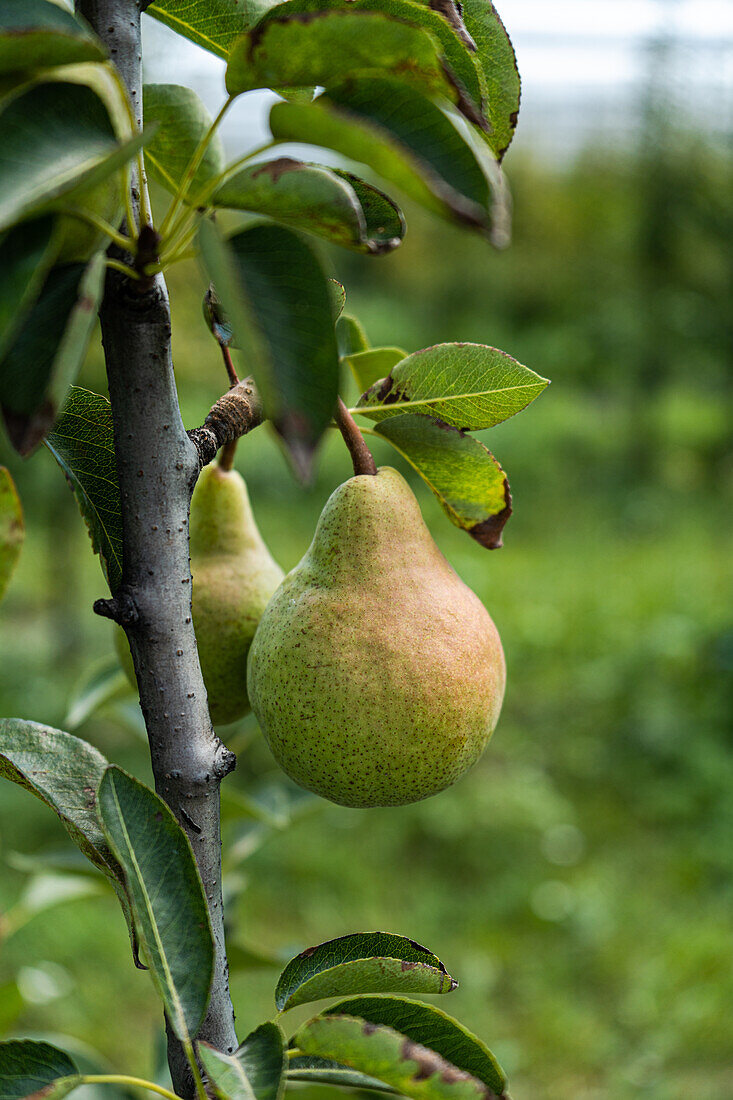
376, 674
233, 576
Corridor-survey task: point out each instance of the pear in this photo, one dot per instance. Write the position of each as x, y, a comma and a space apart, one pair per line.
376, 674
233, 576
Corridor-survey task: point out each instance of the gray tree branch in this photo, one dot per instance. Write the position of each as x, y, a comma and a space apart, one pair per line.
157, 468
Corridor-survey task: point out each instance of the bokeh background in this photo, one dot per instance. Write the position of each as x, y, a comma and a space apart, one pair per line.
579, 881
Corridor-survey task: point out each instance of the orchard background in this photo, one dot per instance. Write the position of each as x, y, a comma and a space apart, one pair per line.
580, 878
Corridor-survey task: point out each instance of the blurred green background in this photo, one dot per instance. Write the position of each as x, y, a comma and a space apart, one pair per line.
579, 881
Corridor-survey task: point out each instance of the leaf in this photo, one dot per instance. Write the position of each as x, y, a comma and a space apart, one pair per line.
256, 1071
26, 253
101, 683
431, 1027
56, 137
48, 350
338, 297
212, 24
320, 200
225, 1074
183, 121
370, 366
276, 295
12, 528
464, 475
168, 902
496, 57
82, 443
11, 1005
322, 1071
350, 335
262, 1056
323, 47
29, 1068
63, 771
403, 137
379, 1051
462, 67
35, 34
363, 962
469, 386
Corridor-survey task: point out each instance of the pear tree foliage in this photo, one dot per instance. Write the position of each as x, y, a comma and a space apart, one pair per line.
402, 99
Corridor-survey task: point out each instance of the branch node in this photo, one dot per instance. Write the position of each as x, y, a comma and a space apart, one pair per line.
122, 608
237, 412
224, 763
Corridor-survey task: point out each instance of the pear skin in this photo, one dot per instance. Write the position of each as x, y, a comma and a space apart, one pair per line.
376, 674
233, 577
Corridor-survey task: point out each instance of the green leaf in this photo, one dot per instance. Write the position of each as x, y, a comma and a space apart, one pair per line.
370, 366
182, 122
338, 297
322, 1071
362, 962
464, 71
495, 54
320, 200
323, 47
168, 902
350, 336
431, 1027
35, 34
48, 350
276, 295
256, 1071
403, 137
26, 253
28, 1068
101, 683
469, 386
464, 475
56, 138
63, 771
380, 1051
211, 24
12, 528
82, 443
263, 1058
11, 1005
225, 1074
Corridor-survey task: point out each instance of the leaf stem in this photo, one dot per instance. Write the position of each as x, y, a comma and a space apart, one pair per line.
192, 168
103, 226
118, 265
124, 1079
361, 456
189, 1052
211, 187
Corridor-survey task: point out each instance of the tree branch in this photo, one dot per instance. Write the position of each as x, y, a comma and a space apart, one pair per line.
236, 412
157, 465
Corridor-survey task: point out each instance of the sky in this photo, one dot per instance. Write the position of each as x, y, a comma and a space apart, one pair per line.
583, 64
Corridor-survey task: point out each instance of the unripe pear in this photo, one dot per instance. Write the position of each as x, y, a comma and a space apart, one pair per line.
233, 577
376, 674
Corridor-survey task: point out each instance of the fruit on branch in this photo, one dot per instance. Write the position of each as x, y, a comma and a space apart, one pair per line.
234, 576
376, 674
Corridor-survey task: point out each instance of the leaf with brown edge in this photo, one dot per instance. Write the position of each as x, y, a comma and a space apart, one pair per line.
365, 962
35, 1069
462, 473
380, 1051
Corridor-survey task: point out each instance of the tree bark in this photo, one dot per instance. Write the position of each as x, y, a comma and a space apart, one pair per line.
157, 467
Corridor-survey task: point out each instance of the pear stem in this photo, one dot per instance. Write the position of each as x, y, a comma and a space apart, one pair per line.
361, 456
226, 455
